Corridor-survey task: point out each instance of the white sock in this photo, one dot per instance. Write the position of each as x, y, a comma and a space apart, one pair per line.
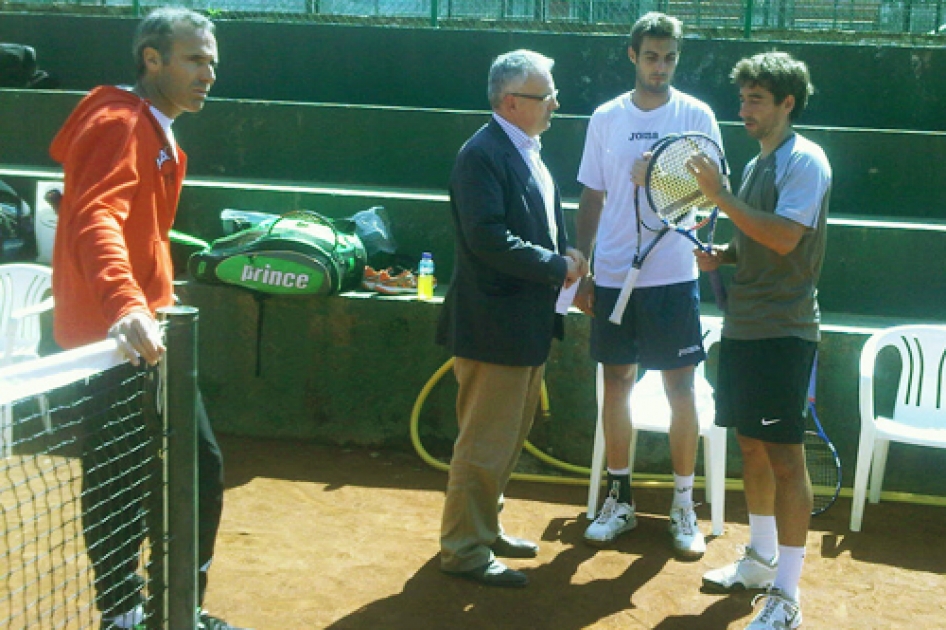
682, 490
619, 471
790, 561
763, 535
129, 619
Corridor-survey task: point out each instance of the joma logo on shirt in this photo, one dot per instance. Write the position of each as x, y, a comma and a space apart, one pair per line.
644, 135
265, 275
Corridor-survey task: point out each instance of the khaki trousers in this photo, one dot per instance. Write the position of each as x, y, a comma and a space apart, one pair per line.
495, 408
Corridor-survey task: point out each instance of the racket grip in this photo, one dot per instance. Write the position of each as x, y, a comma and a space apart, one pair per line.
618, 313
719, 290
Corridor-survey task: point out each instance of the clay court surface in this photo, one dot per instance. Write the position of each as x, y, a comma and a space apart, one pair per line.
317, 537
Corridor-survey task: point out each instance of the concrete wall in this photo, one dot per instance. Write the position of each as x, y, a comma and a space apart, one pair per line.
859, 85
348, 370
339, 159
876, 173
870, 269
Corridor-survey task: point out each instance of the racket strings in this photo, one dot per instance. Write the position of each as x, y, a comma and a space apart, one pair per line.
673, 188
822, 471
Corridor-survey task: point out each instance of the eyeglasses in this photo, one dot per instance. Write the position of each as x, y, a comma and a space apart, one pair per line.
542, 98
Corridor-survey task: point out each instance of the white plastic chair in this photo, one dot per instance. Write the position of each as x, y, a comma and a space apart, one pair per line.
919, 413
650, 411
23, 298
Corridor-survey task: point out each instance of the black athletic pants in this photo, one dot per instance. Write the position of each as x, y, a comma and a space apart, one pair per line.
116, 492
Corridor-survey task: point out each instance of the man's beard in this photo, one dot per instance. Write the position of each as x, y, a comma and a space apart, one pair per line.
650, 88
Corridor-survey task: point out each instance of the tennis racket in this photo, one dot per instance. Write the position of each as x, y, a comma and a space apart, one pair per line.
821, 458
675, 197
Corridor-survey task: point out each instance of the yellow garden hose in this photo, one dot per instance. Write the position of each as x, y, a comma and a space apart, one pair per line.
659, 481
639, 479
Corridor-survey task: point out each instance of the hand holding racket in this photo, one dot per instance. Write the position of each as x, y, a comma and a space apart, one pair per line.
821, 458
675, 196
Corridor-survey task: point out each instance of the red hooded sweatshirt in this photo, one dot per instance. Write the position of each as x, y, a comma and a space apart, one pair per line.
122, 183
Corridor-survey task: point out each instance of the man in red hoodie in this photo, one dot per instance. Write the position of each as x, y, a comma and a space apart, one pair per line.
112, 270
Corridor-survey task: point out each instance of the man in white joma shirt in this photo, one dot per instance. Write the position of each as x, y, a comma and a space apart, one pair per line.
661, 325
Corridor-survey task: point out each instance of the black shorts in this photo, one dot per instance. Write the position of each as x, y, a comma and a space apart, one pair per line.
762, 387
660, 329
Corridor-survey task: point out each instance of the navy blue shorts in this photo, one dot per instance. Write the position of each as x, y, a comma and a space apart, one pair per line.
762, 387
660, 329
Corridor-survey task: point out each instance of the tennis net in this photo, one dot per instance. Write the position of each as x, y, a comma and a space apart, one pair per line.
85, 479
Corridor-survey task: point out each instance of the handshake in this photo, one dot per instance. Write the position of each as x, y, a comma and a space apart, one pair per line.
577, 266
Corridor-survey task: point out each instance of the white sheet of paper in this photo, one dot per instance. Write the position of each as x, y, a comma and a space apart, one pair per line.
565, 298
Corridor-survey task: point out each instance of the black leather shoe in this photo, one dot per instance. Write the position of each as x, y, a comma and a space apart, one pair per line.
512, 547
494, 573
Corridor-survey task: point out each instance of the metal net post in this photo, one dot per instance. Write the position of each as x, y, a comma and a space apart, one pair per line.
180, 413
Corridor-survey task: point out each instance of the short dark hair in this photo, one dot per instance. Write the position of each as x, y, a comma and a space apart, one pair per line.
780, 74
157, 31
655, 24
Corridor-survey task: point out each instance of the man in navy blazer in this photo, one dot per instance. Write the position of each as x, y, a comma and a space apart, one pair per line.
498, 317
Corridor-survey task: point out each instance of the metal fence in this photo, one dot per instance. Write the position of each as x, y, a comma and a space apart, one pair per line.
923, 17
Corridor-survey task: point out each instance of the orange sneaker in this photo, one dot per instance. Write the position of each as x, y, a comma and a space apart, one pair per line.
403, 283
370, 279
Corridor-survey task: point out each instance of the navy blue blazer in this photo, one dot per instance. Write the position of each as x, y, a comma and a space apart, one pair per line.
500, 306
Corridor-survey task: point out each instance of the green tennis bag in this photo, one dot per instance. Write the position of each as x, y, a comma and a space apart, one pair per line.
299, 253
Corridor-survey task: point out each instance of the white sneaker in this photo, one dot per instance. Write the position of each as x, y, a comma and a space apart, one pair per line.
688, 540
613, 520
750, 572
780, 612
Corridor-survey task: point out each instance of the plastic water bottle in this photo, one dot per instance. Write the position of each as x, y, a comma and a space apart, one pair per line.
425, 277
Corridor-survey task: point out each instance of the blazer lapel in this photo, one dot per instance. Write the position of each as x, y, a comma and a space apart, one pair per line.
533, 193
560, 219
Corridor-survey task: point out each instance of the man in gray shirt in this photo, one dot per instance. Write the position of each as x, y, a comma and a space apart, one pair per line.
771, 330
